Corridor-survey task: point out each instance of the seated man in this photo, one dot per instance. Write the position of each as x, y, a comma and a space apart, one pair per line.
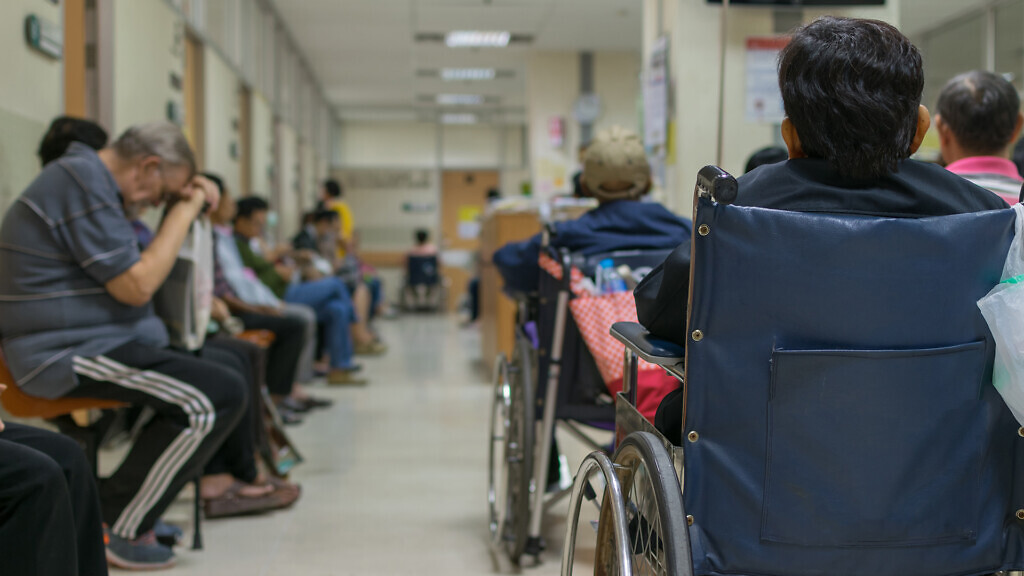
422, 277
50, 521
834, 73
328, 297
616, 173
76, 317
978, 120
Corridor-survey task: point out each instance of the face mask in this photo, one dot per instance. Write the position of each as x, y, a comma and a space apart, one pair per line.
271, 219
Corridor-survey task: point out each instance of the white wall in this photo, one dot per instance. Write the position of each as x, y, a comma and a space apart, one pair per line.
147, 44
695, 73
29, 99
261, 123
221, 102
552, 89
386, 144
289, 201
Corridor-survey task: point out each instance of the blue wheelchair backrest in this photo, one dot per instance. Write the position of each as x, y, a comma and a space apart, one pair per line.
422, 271
839, 413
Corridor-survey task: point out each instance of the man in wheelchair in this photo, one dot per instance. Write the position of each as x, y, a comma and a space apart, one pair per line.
852, 94
616, 173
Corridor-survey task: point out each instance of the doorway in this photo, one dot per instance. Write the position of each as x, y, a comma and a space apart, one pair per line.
463, 200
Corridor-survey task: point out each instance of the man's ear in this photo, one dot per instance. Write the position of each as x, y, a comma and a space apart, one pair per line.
924, 121
792, 139
1017, 127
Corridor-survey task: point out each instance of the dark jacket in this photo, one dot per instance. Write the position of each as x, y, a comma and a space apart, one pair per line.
621, 225
915, 190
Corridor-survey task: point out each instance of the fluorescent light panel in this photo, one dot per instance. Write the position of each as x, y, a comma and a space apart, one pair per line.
460, 99
453, 118
477, 39
468, 74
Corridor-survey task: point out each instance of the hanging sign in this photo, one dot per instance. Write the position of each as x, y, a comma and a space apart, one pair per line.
44, 36
764, 100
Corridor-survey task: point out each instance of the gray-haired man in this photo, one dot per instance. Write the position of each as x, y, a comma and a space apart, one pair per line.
76, 318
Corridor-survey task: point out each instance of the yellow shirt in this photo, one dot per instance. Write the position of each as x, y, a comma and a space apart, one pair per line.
345, 219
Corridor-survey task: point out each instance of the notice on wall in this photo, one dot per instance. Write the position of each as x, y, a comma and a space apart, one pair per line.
656, 98
469, 222
764, 100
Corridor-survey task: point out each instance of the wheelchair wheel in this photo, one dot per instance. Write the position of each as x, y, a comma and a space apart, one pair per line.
497, 473
653, 506
512, 451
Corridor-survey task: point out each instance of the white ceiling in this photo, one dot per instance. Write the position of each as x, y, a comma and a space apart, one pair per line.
365, 55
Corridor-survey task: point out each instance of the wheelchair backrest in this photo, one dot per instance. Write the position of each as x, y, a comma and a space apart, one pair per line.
839, 410
423, 271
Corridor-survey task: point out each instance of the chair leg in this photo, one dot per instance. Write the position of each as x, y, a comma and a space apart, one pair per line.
197, 513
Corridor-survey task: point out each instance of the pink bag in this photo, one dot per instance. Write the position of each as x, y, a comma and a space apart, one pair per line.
594, 315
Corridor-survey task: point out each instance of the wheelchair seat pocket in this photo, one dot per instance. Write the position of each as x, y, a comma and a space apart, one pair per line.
863, 451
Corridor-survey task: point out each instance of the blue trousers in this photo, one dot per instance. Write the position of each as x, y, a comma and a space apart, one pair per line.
331, 301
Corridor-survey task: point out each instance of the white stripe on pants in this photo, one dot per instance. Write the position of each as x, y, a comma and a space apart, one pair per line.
201, 417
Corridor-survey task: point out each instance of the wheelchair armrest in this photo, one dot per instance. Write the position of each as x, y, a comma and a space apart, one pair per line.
653, 350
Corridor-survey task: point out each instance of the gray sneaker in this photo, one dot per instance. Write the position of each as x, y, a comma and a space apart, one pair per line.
143, 553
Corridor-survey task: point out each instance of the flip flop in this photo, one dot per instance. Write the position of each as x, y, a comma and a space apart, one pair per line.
233, 503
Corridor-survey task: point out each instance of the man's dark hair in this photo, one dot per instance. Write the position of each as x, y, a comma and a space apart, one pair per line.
217, 180
333, 188
250, 205
324, 216
66, 129
981, 109
852, 89
767, 155
422, 236
493, 194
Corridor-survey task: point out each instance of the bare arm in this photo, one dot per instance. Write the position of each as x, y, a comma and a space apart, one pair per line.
137, 285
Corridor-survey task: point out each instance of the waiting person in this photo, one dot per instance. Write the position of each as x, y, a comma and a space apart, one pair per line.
76, 317
259, 309
978, 120
50, 518
328, 297
767, 155
616, 173
331, 199
423, 246
833, 73
63, 131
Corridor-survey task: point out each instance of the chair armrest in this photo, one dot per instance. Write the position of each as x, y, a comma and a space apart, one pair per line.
639, 340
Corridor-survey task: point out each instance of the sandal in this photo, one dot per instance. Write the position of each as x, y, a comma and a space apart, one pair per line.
233, 503
286, 492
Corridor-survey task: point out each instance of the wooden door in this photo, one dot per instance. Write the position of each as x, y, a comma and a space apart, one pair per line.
74, 59
463, 199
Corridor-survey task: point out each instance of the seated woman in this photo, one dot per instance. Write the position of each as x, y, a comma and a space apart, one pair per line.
616, 173
838, 163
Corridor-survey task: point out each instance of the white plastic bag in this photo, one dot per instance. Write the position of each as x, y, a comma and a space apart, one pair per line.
186, 297
1003, 309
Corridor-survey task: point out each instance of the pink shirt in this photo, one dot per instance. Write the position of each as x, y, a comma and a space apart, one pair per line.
989, 165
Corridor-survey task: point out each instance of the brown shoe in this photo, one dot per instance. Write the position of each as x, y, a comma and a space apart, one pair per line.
375, 348
344, 378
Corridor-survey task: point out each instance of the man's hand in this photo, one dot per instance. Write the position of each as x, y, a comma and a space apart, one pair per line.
201, 192
219, 311
270, 311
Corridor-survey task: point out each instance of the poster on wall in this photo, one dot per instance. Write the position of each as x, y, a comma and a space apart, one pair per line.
764, 100
656, 97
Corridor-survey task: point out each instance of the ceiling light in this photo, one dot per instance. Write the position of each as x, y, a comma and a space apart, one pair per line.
477, 38
468, 73
458, 118
460, 99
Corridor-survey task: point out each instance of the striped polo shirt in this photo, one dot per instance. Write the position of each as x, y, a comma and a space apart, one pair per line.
63, 239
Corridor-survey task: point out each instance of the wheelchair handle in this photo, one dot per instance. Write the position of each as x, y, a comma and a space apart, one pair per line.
716, 184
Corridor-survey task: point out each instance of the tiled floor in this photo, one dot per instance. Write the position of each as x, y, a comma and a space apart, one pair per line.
395, 477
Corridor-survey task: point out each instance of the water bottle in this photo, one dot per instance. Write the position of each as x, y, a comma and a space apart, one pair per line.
611, 282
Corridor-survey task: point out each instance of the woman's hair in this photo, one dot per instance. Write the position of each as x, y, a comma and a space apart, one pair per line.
67, 129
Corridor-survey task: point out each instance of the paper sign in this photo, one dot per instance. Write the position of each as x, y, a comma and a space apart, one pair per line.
764, 99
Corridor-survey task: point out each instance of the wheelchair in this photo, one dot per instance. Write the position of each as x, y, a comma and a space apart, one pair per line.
549, 380
838, 412
424, 288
